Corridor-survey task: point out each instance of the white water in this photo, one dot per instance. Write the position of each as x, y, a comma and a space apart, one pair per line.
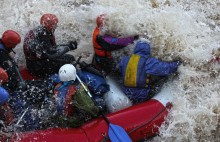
177, 29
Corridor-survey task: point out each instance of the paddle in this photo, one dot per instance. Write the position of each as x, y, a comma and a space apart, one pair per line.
20, 119
22, 83
116, 133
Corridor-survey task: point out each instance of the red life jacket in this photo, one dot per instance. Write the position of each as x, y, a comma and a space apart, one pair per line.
68, 106
98, 49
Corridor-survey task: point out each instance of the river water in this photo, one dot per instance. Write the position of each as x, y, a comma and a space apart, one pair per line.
177, 30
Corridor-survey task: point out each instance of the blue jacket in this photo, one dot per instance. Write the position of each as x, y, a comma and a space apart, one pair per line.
137, 69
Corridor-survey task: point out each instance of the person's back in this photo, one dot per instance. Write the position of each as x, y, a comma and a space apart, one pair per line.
43, 57
139, 69
39, 40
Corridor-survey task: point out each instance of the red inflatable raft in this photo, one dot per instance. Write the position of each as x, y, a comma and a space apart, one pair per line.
140, 121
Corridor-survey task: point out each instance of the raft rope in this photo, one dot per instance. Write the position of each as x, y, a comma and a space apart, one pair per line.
106, 138
162, 110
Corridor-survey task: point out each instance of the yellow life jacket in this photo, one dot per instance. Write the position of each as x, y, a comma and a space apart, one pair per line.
131, 73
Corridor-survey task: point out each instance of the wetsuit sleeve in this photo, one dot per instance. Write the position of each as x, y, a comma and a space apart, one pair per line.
59, 51
156, 67
110, 43
118, 41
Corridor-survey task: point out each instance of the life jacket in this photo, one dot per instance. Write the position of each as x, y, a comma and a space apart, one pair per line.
37, 35
99, 49
64, 99
135, 75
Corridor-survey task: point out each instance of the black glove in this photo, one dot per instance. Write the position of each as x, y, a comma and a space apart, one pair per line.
136, 37
72, 45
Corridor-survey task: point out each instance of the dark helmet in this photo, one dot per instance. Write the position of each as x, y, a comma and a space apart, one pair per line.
49, 21
3, 76
11, 38
100, 20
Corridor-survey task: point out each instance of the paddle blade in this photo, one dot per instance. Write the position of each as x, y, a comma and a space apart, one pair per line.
118, 134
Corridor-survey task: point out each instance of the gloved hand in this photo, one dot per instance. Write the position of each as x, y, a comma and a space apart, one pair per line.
136, 37
73, 45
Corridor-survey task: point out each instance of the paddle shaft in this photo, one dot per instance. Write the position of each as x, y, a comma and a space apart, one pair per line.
19, 74
22, 116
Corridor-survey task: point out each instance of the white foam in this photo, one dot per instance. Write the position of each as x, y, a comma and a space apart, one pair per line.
188, 30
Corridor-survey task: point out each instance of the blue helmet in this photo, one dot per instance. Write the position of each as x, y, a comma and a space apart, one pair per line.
4, 96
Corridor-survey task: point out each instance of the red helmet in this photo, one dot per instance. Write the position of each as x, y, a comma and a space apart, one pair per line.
11, 38
3, 76
49, 21
100, 20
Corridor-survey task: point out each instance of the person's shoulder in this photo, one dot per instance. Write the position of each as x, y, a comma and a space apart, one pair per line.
40, 30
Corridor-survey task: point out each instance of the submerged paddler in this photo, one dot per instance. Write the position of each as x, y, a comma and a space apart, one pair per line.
141, 73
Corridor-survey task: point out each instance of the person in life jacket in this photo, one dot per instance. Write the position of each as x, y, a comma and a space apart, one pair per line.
10, 39
43, 56
140, 72
70, 99
6, 114
104, 44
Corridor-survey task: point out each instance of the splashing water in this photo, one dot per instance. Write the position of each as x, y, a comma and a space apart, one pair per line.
177, 29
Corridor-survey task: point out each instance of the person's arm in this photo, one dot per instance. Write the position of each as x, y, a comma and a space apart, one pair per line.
110, 43
119, 41
156, 67
59, 50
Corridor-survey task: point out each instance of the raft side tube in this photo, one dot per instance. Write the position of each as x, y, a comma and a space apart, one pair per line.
140, 121
51, 135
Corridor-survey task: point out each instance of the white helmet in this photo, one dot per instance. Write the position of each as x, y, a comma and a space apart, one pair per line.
67, 73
